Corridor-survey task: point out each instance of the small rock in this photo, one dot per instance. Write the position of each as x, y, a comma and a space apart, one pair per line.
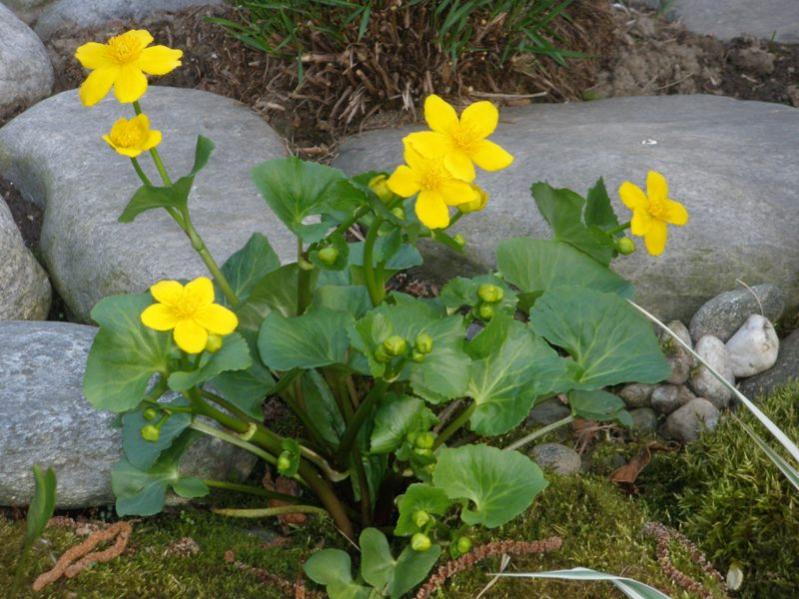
793, 94
667, 398
686, 423
785, 370
679, 358
703, 382
547, 412
26, 74
636, 395
754, 348
24, 288
644, 420
556, 457
725, 313
754, 59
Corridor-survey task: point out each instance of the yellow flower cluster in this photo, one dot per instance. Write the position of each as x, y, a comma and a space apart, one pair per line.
439, 164
652, 211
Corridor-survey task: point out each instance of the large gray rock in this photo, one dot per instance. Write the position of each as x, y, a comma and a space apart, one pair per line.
688, 422
732, 163
44, 419
783, 372
55, 156
66, 14
24, 288
732, 18
727, 312
26, 74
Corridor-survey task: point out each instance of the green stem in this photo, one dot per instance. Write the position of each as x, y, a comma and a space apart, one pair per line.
271, 511
233, 440
619, 229
303, 281
233, 409
540, 433
139, 171
376, 288
363, 485
199, 246
344, 227
360, 416
250, 490
23, 560
455, 425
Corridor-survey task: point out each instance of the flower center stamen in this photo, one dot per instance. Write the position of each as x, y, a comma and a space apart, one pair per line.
124, 49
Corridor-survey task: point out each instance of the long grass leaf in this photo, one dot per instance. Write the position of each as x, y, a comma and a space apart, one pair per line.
630, 587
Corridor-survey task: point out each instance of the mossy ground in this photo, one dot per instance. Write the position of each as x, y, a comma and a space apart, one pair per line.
600, 529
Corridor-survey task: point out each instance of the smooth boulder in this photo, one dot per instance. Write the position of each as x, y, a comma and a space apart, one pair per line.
557, 458
703, 382
688, 422
24, 288
754, 348
26, 74
56, 157
732, 163
46, 420
784, 371
724, 314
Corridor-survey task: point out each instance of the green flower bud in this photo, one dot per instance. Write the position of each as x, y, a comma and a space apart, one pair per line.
485, 312
464, 545
423, 452
424, 343
381, 356
429, 469
395, 345
399, 212
284, 462
150, 414
459, 239
489, 293
379, 185
425, 441
304, 264
420, 518
418, 356
214, 344
420, 542
411, 437
625, 246
328, 255
150, 432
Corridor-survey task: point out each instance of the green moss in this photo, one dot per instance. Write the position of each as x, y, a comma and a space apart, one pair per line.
727, 496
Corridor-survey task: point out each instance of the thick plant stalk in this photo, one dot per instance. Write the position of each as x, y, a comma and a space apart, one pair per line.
784, 440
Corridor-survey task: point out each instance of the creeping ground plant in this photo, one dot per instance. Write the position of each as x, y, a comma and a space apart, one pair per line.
382, 384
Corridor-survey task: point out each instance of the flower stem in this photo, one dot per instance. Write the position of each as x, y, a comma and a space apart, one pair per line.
537, 434
139, 171
455, 425
374, 283
303, 281
619, 229
249, 489
199, 246
270, 511
363, 411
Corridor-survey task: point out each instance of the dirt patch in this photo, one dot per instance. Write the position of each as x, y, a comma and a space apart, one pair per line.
658, 57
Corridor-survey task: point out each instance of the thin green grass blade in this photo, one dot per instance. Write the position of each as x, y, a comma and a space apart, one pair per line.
789, 471
630, 587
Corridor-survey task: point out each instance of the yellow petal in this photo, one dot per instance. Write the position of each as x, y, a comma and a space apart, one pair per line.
130, 84
201, 291
159, 60
97, 85
153, 139
431, 210
455, 192
475, 205
655, 238
190, 336
633, 197
439, 115
460, 166
403, 181
141, 37
656, 187
159, 317
167, 292
428, 143
675, 213
129, 152
480, 119
491, 157
641, 222
216, 319
94, 56
414, 159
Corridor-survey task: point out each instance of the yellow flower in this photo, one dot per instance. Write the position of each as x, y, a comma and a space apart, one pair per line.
434, 183
475, 205
652, 211
461, 142
190, 312
122, 63
132, 137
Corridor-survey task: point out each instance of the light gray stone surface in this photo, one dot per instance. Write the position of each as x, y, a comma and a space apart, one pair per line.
556, 457
783, 372
24, 288
26, 74
65, 14
702, 381
679, 358
724, 314
754, 348
44, 419
727, 19
688, 422
732, 163
55, 156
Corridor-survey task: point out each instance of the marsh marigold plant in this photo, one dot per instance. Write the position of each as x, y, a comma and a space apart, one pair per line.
379, 382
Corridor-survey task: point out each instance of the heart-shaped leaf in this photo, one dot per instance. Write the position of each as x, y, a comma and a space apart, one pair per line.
249, 265
332, 568
247, 389
599, 405
419, 497
315, 339
143, 454
233, 355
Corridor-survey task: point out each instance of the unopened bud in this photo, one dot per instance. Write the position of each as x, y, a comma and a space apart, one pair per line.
379, 185
477, 204
214, 343
399, 212
420, 542
284, 462
464, 545
423, 452
418, 356
489, 293
485, 312
420, 518
150, 432
328, 255
381, 356
395, 345
150, 414
424, 343
459, 239
304, 264
425, 440
625, 246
